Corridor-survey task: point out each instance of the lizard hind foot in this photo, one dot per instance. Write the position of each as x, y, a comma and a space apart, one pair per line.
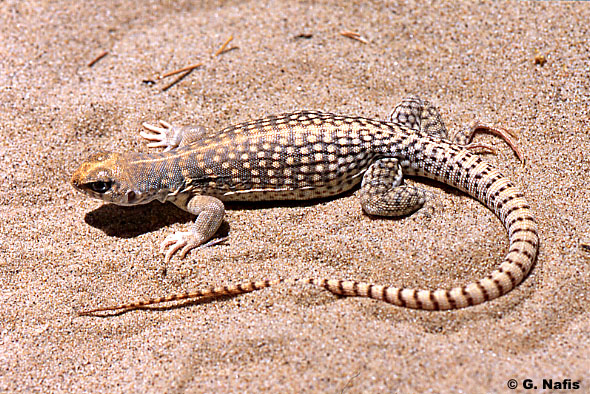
465, 136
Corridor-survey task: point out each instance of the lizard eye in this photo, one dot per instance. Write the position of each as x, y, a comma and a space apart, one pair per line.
100, 186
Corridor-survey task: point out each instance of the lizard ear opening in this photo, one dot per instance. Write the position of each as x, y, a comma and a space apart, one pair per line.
100, 186
131, 197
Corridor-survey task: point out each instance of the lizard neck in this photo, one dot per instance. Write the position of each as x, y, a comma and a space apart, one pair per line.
150, 177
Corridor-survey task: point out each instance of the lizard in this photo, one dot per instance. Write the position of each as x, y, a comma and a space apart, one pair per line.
307, 155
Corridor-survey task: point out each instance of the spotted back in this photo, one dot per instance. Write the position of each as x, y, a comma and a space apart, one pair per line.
300, 155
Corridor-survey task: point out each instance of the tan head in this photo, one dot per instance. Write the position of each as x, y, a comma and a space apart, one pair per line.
106, 176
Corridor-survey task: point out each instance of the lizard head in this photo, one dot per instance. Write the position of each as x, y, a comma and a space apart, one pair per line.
103, 176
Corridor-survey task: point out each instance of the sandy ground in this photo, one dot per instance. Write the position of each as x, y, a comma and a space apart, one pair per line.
61, 252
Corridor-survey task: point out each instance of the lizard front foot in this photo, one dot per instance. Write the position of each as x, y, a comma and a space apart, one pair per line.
167, 136
184, 241
170, 137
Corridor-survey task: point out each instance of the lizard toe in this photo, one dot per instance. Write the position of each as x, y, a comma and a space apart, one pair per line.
174, 242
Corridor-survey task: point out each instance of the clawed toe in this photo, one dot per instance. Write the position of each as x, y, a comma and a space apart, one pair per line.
184, 242
485, 148
158, 130
215, 241
163, 137
506, 134
174, 242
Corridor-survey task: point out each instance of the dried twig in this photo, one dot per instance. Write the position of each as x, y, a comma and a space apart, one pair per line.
222, 49
96, 59
180, 70
180, 78
354, 36
188, 69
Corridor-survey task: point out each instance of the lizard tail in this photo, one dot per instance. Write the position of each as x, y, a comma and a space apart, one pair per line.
507, 202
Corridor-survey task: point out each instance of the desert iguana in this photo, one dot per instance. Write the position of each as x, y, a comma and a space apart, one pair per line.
306, 155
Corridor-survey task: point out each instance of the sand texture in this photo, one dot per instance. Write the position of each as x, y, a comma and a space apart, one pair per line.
61, 252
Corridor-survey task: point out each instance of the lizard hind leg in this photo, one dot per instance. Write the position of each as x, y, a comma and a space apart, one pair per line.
419, 115
383, 194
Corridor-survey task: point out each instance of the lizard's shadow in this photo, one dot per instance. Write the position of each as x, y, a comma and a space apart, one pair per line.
129, 222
